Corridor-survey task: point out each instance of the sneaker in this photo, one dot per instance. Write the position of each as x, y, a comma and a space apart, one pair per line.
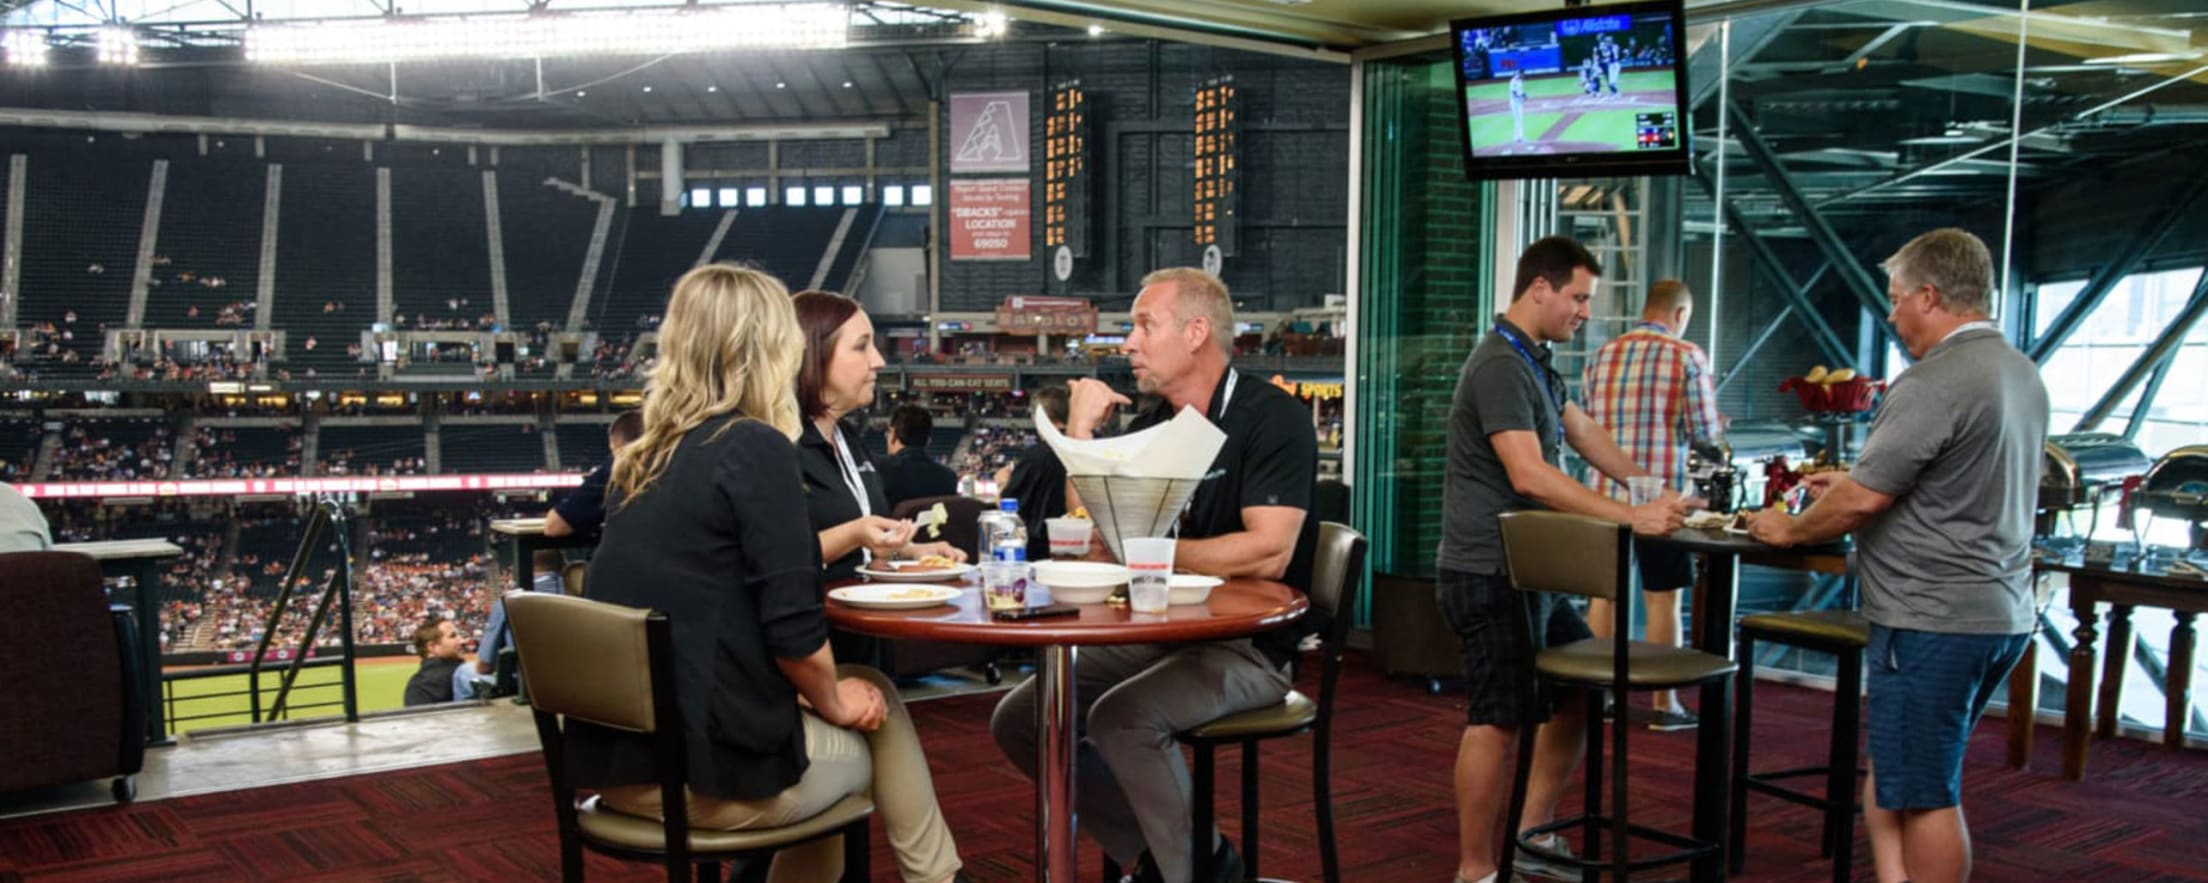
1674, 720
1531, 865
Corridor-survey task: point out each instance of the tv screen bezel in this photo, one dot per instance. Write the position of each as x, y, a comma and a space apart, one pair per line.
1675, 161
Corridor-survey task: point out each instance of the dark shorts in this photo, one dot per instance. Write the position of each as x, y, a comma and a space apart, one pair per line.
1927, 690
1497, 667
1664, 567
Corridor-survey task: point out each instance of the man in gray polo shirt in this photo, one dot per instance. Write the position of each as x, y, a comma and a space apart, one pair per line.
1508, 423
1941, 506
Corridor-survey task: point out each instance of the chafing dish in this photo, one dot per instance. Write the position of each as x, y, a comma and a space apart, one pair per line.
2177, 487
2079, 466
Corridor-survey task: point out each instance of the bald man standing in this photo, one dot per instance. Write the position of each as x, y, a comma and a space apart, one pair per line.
1651, 388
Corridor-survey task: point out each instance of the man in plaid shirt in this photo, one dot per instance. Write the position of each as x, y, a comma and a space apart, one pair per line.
1652, 389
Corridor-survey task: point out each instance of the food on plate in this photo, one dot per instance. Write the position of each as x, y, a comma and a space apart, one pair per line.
926, 564
912, 594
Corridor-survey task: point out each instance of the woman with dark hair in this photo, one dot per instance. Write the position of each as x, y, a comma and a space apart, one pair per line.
843, 492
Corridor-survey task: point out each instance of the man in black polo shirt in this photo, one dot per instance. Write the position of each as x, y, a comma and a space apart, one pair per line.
908, 473
1248, 518
583, 510
1508, 421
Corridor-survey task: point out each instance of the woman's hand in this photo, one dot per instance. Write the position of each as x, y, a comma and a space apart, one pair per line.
885, 537
923, 550
859, 706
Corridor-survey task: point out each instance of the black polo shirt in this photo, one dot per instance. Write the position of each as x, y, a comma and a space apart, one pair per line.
1500, 390
584, 508
1271, 458
1038, 481
911, 475
828, 499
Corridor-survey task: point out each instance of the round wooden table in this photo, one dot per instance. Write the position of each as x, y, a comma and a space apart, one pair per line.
1237, 608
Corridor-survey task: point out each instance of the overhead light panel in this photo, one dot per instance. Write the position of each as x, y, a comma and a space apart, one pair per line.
25, 48
549, 35
992, 24
118, 44
2145, 58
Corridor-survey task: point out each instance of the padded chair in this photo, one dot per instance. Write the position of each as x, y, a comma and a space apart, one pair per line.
1336, 572
614, 666
1844, 634
571, 577
76, 708
1588, 557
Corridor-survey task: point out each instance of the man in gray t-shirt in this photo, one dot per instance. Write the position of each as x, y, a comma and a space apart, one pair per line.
22, 526
1941, 507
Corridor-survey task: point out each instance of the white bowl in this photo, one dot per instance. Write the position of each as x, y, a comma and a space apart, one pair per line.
1080, 582
1192, 588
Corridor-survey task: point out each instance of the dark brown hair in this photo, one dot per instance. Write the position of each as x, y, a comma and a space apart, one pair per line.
426, 634
820, 314
1553, 258
626, 428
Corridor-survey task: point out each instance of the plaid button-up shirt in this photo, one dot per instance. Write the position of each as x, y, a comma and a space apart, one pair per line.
1652, 390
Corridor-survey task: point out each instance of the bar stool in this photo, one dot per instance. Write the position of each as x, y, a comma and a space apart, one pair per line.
1576, 555
1844, 634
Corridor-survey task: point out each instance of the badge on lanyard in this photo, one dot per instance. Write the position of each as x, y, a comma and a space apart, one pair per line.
1548, 377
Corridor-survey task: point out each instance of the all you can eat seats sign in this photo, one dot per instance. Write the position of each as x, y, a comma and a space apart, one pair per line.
989, 220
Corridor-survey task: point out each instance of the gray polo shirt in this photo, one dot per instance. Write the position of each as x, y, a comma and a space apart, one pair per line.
1958, 444
1499, 391
22, 526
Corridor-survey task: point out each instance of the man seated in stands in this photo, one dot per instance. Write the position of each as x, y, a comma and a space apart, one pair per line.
444, 675
908, 473
584, 508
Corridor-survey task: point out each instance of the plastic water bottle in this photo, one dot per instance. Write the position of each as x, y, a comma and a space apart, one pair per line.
1008, 534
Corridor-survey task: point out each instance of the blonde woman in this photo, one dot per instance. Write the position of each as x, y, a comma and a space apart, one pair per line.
699, 527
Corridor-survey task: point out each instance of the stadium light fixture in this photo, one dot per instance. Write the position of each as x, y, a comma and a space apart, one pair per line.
549, 35
25, 48
118, 44
992, 24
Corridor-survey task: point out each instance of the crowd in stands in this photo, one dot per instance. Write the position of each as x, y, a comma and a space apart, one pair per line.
95, 455
991, 448
350, 462
215, 456
614, 359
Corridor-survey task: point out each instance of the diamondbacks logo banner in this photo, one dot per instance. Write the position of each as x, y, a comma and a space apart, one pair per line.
988, 132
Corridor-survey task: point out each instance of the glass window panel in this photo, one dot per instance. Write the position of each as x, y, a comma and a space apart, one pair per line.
824, 195
853, 194
893, 194
923, 194
755, 196
793, 196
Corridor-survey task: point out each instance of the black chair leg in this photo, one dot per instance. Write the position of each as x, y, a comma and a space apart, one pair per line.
1112, 873
1201, 822
1621, 849
709, 872
858, 852
1847, 722
1743, 712
1591, 838
1517, 814
1322, 784
1249, 809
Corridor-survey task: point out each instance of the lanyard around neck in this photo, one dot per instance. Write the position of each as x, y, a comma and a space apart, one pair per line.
849, 468
1553, 384
1227, 398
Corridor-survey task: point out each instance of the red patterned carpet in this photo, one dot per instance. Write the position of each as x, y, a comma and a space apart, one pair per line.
2138, 818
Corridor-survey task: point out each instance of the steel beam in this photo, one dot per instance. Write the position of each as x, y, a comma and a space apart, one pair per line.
1797, 294
2165, 346
1857, 280
1748, 354
1705, 70
2104, 280
2146, 397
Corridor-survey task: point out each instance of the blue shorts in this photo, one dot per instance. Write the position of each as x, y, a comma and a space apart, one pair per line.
1927, 690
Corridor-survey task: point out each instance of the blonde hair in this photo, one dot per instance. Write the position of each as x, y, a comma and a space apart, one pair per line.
1199, 294
729, 345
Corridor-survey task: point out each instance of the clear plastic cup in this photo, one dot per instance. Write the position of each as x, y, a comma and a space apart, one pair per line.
1069, 537
1149, 573
1644, 489
1004, 584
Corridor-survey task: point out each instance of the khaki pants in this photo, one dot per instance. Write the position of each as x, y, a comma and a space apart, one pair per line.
886, 764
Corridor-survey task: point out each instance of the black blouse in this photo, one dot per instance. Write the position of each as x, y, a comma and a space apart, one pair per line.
712, 545
828, 499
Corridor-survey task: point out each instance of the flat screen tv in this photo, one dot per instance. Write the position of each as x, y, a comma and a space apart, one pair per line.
1574, 92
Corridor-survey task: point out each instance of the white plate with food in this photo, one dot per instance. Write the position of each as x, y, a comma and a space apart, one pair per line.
1704, 519
1080, 582
930, 569
1191, 588
894, 597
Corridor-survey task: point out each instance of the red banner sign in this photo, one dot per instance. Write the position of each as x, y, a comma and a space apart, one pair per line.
989, 220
